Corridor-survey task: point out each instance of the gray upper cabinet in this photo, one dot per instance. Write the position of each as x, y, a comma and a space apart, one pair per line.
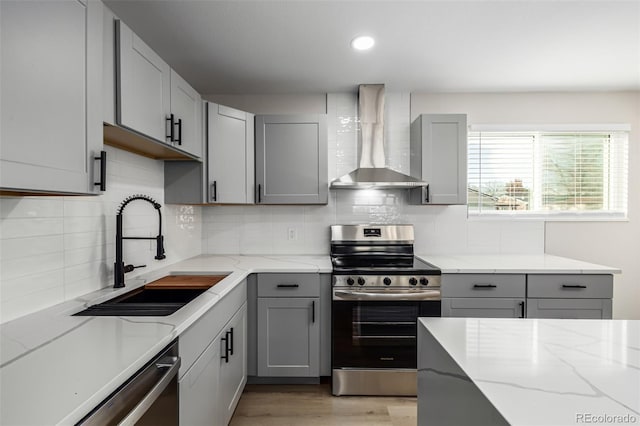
227, 175
144, 86
439, 157
230, 155
186, 107
153, 100
291, 159
51, 108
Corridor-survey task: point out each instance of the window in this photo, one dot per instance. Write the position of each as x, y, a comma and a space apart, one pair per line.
548, 173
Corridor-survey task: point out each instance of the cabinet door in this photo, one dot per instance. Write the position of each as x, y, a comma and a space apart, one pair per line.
569, 308
288, 337
199, 390
463, 307
186, 107
144, 86
233, 369
439, 157
51, 83
291, 159
230, 142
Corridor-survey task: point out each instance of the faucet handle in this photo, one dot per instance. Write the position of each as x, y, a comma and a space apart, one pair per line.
129, 268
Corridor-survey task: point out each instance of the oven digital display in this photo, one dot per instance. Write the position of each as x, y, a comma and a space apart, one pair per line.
372, 232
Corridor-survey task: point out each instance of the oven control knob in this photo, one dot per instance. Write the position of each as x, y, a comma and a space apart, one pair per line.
350, 281
387, 281
413, 281
361, 281
424, 281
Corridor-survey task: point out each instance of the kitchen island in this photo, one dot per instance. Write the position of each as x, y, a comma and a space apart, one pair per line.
528, 371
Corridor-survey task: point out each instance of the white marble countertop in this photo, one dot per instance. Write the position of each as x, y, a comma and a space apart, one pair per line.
546, 372
54, 368
514, 264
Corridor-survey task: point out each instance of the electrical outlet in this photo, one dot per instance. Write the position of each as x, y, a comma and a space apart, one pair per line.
292, 234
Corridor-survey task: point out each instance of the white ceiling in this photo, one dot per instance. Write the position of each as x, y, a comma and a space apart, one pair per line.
252, 47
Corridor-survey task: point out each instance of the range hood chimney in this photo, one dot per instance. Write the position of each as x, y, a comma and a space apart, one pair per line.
372, 171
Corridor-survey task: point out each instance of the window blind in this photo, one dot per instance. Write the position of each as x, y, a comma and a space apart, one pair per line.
547, 173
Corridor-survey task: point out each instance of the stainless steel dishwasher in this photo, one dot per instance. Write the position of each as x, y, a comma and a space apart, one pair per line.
149, 397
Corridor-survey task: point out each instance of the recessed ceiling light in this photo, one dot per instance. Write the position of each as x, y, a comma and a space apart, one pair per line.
363, 43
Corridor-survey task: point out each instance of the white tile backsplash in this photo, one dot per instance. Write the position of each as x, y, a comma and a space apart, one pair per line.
438, 229
56, 248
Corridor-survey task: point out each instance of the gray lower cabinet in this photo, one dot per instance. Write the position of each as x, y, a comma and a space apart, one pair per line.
289, 331
199, 389
483, 307
439, 157
213, 371
51, 105
288, 337
291, 159
484, 295
530, 295
570, 296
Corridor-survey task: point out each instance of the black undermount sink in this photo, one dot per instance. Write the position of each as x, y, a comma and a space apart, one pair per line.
144, 302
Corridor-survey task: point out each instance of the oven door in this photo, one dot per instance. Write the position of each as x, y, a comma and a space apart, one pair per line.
377, 333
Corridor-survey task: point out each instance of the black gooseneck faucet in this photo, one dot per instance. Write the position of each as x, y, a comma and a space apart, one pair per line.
120, 268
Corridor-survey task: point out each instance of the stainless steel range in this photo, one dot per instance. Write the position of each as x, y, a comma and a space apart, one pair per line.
379, 290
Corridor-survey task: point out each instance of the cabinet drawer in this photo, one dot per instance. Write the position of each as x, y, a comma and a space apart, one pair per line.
483, 285
560, 286
288, 285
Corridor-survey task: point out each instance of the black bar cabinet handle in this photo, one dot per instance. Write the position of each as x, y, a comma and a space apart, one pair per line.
214, 187
573, 286
103, 171
288, 285
521, 309
426, 194
179, 138
171, 135
313, 311
226, 347
231, 344
259, 193
484, 286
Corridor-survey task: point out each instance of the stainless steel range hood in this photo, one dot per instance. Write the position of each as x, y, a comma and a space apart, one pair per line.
372, 171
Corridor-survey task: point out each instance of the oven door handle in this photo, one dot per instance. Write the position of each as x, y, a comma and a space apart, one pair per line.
364, 295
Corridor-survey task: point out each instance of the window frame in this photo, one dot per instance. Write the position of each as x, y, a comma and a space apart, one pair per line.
555, 215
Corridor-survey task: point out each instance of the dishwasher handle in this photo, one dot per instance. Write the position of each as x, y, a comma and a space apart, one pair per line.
172, 364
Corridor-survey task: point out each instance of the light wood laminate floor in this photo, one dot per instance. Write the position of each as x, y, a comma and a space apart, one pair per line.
313, 405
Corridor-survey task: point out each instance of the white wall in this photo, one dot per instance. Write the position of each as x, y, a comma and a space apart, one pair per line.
610, 243
438, 229
53, 249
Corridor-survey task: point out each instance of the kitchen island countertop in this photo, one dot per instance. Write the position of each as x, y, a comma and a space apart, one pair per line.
528, 371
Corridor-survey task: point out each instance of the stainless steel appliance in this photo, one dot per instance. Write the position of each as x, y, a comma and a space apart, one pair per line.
150, 397
379, 290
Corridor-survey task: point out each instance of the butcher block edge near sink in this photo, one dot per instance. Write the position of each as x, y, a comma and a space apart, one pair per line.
185, 282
